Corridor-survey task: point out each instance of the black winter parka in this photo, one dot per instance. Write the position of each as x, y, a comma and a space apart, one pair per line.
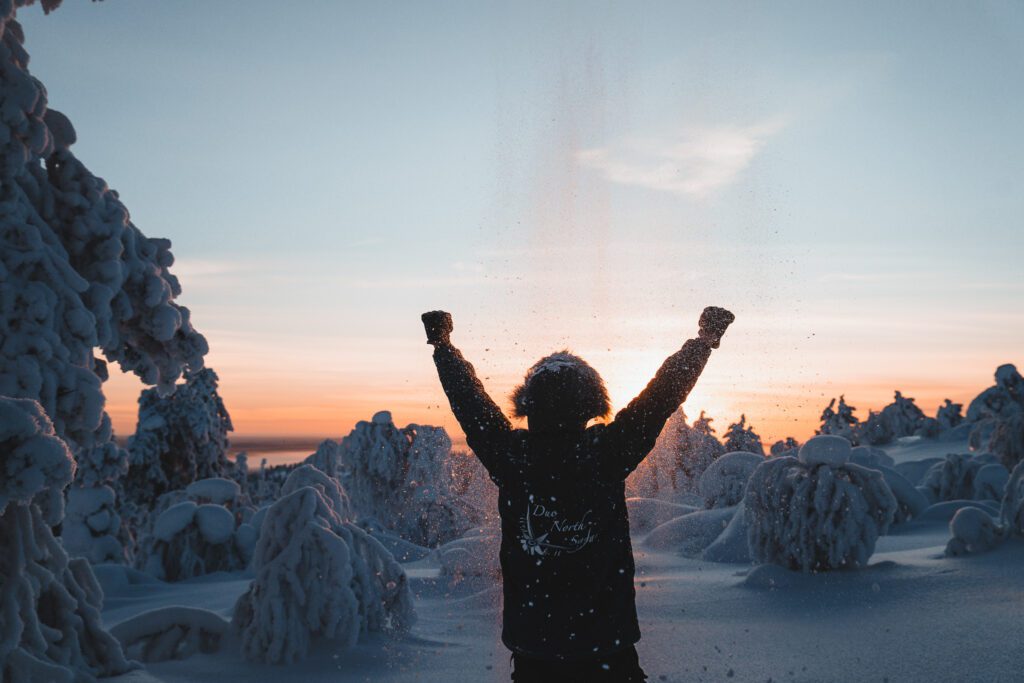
565, 554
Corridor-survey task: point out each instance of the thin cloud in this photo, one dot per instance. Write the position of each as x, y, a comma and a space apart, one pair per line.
695, 163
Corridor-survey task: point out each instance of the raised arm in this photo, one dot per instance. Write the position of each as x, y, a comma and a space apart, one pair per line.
486, 427
636, 427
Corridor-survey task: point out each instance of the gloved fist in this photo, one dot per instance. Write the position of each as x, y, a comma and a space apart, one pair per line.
713, 323
438, 325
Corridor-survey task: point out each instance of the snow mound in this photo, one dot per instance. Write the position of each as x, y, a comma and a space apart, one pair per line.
915, 470
911, 503
170, 633
473, 556
816, 517
731, 545
990, 482
945, 511
317, 577
974, 531
690, 534
723, 482
825, 450
870, 456
647, 513
213, 490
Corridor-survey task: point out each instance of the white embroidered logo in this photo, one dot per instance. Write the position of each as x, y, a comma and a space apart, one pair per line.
543, 531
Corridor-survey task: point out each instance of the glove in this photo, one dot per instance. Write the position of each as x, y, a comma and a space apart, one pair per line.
438, 325
713, 323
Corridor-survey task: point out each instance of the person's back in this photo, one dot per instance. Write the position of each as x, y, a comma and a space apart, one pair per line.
566, 556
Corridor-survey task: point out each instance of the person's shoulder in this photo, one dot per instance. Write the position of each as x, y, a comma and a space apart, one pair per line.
596, 434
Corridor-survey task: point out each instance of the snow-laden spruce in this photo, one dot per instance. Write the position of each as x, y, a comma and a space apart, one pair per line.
840, 421
400, 480
784, 446
818, 511
50, 628
1012, 507
740, 437
327, 458
910, 501
953, 478
199, 534
999, 408
93, 527
1002, 400
77, 279
77, 275
1007, 440
179, 438
318, 576
900, 418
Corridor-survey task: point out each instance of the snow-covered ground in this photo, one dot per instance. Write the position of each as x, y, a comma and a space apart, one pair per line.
912, 615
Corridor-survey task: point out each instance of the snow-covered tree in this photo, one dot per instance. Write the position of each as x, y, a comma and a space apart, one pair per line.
949, 414
1012, 507
179, 438
400, 480
900, 418
840, 421
240, 472
784, 446
904, 415
327, 458
197, 531
740, 437
92, 527
77, 278
953, 477
698, 448
77, 275
50, 629
1004, 399
1007, 440
818, 511
318, 576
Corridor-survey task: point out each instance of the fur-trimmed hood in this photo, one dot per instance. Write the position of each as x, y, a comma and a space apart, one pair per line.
562, 381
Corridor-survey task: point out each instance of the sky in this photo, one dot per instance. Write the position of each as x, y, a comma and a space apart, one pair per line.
848, 178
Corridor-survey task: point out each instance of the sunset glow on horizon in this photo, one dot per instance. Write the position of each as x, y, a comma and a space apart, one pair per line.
593, 187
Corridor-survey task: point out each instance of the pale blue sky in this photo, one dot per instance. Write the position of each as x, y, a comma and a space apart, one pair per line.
848, 177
